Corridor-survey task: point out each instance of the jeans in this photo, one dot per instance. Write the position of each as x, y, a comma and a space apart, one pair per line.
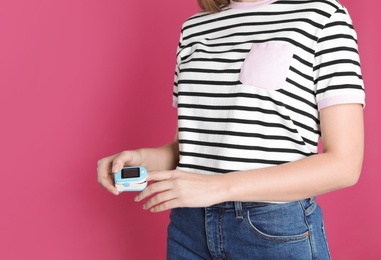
248, 230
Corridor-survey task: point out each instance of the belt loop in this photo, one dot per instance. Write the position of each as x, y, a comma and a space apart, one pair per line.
238, 209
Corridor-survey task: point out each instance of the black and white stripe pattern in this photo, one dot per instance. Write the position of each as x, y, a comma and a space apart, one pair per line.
225, 125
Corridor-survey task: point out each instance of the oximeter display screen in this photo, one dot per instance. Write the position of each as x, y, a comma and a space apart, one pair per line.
130, 173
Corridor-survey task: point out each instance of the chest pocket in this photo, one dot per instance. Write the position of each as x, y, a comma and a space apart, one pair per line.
266, 65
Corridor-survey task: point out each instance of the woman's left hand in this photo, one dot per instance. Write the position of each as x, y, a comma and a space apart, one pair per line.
173, 189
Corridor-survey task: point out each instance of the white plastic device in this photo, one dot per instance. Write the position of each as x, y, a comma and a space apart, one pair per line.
131, 179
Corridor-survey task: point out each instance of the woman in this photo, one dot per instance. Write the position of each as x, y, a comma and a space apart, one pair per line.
257, 84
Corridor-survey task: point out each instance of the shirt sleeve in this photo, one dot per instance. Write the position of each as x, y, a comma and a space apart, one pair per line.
177, 71
337, 72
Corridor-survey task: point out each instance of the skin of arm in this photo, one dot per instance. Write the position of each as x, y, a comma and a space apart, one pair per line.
162, 158
338, 166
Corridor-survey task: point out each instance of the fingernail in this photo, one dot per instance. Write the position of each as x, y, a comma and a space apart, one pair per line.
152, 210
136, 199
115, 168
144, 206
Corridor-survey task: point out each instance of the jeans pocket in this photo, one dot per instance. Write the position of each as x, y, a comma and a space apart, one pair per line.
278, 222
266, 65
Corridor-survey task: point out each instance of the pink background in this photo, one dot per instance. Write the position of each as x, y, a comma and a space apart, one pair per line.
84, 79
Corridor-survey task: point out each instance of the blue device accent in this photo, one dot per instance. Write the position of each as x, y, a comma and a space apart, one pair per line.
131, 179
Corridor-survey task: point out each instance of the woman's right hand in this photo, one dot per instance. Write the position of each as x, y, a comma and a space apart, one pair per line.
108, 166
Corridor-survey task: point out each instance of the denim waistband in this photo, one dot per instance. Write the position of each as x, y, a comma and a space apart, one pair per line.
233, 204
239, 206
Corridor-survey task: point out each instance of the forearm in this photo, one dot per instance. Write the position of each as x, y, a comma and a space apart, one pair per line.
162, 158
297, 180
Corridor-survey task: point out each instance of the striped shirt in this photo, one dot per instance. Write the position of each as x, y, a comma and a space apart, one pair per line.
250, 81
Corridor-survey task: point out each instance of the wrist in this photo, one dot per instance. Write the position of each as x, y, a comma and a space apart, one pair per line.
220, 188
140, 155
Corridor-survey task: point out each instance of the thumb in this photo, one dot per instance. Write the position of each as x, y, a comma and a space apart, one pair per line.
126, 158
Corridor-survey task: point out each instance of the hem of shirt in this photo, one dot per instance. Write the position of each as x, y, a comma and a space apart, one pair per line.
337, 100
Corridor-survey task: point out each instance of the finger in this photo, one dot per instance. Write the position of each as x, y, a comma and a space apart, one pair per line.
104, 168
169, 204
129, 158
153, 188
159, 175
159, 198
105, 176
108, 184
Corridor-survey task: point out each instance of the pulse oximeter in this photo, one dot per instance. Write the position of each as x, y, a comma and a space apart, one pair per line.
131, 179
